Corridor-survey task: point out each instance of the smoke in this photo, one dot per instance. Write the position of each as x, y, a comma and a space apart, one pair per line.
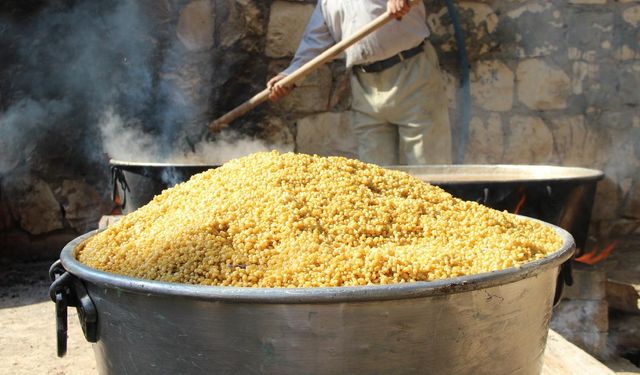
85, 79
230, 145
62, 66
24, 121
576, 320
127, 143
90, 54
125, 140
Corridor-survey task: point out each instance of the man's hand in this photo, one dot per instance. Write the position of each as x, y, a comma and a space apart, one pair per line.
398, 8
278, 91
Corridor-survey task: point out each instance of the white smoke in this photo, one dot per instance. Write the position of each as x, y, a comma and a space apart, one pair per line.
126, 141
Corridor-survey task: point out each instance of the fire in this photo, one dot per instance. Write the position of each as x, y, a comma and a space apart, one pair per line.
594, 256
520, 203
117, 209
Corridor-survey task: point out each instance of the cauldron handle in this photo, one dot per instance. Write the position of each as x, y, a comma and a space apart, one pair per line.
117, 177
67, 290
565, 276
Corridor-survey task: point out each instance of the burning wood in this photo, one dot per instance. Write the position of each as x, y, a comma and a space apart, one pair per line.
594, 256
520, 203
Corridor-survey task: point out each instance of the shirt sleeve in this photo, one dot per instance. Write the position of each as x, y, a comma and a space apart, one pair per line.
316, 40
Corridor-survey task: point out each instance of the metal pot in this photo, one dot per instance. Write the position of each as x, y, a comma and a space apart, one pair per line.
563, 196
491, 323
136, 183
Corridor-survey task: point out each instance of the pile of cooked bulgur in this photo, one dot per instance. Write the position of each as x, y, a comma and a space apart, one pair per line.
295, 220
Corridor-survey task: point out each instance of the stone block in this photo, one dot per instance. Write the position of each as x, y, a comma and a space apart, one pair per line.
624, 227
590, 30
533, 29
623, 296
34, 205
287, 23
486, 141
607, 201
278, 132
327, 134
541, 86
483, 14
625, 332
594, 343
631, 15
583, 322
311, 95
196, 25
570, 137
480, 23
632, 202
623, 159
579, 315
529, 7
589, 283
244, 19
625, 53
528, 141
628, 81
492, 86
596, 147
82, 205
186, 93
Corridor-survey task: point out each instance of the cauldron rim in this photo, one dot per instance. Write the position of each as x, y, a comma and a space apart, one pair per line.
491, 173
316, 294
499, 173
140, 164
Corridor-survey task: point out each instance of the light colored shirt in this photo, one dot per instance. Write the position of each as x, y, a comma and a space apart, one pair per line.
333, 20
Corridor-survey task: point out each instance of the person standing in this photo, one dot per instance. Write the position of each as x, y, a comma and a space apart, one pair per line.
399, 108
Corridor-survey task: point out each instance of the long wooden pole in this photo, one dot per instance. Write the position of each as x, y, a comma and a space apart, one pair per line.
304, 70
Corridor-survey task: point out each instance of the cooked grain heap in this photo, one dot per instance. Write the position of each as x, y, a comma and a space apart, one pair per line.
293, 220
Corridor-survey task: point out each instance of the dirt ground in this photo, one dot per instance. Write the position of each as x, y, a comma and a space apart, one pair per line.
27, 318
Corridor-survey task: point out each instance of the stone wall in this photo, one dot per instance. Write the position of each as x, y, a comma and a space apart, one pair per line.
551, 83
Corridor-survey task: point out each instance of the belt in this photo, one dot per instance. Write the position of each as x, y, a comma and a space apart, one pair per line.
381, 65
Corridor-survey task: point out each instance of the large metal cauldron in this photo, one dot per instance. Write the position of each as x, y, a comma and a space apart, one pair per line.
493, 323
136, 183
563, 196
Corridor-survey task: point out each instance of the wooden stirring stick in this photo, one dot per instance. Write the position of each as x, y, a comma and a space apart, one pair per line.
304, 70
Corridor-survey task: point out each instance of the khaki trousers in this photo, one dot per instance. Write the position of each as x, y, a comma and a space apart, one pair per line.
400, 115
